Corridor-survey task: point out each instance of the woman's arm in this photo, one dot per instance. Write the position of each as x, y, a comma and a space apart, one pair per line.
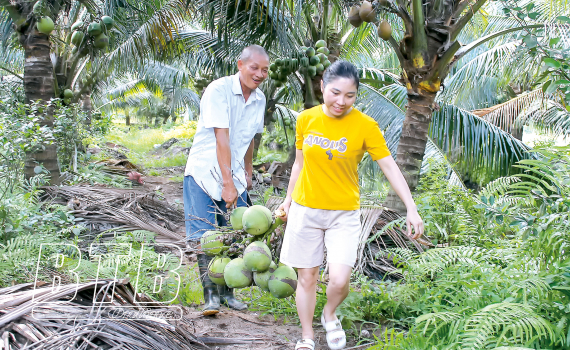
398, 182
295, 171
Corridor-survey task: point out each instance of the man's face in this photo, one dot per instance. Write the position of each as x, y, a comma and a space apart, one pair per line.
254, 70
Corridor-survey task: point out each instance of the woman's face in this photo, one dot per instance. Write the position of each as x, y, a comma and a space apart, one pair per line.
339, 95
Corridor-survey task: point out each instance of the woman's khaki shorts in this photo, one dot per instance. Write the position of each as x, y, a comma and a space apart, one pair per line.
310, 230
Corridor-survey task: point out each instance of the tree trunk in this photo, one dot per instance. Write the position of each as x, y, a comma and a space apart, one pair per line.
412, 146
86, 106
127, 118
39, 85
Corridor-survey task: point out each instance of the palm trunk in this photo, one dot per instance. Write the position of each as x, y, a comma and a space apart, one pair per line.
86, 106
411, 148
127, 118
39, 85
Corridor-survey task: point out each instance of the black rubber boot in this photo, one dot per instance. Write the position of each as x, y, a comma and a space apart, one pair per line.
211, 295
227, 297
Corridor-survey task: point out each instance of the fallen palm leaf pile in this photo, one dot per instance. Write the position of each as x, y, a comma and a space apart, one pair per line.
379, 233
67, 318
103, 209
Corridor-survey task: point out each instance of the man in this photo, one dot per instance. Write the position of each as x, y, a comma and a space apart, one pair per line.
219, 167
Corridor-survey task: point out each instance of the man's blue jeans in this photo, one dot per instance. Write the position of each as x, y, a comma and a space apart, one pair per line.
201, 212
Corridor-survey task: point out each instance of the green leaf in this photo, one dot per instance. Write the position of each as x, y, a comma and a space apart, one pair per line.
533, 15
546, 85
554, 41
551, 62
530, 41
551, 88
563, 19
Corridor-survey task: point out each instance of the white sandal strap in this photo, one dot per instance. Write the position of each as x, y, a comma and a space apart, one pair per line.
305, 343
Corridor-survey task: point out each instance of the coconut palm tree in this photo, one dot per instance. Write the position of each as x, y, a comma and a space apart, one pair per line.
141, 29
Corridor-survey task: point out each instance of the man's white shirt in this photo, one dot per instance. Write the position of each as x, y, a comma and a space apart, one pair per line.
223, 106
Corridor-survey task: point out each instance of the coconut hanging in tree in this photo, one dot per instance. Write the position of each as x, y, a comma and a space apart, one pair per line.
385, 30
354, 16
367, 12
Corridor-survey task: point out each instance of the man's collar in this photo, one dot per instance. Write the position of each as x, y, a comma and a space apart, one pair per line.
236, 88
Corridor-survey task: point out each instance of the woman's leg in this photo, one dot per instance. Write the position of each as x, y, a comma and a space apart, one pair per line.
337, 289
306, 299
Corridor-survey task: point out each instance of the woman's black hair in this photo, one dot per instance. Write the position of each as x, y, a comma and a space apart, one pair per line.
341, 69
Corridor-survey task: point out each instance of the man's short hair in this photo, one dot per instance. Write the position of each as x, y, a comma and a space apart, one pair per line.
250, 51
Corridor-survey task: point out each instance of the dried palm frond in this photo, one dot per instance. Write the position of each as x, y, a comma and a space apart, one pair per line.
123, 209
90, 316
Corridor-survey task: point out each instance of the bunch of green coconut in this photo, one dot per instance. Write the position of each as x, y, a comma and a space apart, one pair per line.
96, 35
203, 82
308, 60
243, 255
366, 12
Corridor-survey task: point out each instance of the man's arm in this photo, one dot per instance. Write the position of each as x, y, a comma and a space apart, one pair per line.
224, 155
248, 160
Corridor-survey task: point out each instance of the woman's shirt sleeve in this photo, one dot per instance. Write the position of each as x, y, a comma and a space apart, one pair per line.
374, 142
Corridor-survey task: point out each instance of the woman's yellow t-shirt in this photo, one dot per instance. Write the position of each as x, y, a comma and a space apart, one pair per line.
332, 149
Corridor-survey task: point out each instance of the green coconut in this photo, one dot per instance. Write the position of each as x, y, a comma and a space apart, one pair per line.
282, 75
278, 62
303, 49
107, 22
67, 93
216, 270
320, 68
320, 43
326, 64
273, 67
278, 83
94, 29
322, 57
237, 275
257, 256
77, 37
304, 61
211, 245
237, 213
38, 8
323, 50
262, 278
274, 75
45, 25
76, 25
101, 41
283, 282
314, 60
310, 52
256, 220
312, 71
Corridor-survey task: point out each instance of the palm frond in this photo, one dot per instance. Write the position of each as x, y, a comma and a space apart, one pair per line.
482, 150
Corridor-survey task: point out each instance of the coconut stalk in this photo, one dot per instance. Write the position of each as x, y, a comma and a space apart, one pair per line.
427, 51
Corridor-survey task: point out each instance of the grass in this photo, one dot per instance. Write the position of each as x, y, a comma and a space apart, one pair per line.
140, 141
190, 293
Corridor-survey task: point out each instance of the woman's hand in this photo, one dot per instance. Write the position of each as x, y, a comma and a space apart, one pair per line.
285, 207
414, 220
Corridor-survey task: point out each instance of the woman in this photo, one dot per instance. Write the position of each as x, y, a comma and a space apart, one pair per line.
323, 198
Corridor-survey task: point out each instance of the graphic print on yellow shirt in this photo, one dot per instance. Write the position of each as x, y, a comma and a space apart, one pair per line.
332, 149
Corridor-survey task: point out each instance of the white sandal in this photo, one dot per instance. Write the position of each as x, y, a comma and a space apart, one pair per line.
334, 332
305, 343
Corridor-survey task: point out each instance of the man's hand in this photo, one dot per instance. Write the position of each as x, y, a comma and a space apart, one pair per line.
414, 220
285, 206
249, 181
230, 195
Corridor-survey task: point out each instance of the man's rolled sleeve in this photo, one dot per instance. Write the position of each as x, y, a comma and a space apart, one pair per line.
214, 108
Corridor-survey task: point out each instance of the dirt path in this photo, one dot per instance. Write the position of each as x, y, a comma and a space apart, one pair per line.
262, 332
